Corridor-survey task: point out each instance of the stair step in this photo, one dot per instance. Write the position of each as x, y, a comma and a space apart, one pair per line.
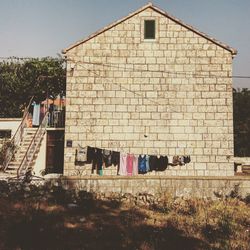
14, 164
27, 143
12, 169
24, 150
21, 151
5, 175
11, 172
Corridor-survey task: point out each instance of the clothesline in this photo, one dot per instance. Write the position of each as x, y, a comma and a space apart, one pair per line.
128, 164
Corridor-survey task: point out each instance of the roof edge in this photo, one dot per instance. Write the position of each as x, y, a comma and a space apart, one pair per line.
64, 51
150, 5
195, 30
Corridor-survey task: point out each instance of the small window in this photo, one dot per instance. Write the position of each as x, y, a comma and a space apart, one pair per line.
149, 29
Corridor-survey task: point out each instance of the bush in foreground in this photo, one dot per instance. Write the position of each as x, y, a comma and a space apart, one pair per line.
51, 217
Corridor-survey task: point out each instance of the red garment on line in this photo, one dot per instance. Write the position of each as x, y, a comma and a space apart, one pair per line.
130, 161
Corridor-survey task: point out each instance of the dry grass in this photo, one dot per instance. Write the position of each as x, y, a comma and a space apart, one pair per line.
54, 218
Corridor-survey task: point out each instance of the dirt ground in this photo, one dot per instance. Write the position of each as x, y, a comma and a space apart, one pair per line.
31, 218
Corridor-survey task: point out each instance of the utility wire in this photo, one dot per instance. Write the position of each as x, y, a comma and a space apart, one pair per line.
191, 74
122, 87
140, 70
131, 91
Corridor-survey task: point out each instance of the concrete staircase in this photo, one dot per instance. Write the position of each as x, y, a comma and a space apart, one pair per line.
14, 164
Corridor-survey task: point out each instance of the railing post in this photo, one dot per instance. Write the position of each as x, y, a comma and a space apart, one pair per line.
18, 136
29, 155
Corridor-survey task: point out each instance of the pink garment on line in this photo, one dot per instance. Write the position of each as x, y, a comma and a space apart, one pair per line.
123, 164
130, 162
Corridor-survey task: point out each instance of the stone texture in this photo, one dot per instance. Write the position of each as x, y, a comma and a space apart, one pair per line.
202, 187
177, 90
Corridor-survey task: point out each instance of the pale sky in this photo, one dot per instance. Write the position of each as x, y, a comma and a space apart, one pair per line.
37, 28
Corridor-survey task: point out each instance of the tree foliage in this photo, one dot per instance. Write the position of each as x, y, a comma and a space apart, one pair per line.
20, 80
241, 102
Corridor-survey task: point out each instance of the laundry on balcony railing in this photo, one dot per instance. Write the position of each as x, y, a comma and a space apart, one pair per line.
56, 113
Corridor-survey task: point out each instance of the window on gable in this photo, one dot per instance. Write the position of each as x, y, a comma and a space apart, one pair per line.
149, 29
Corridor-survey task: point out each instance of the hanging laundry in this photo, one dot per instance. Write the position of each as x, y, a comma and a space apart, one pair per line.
163, 163
158, 163
128, 164
187, 159
135, 165
115, 158
42, 111
152, 162
90, 154
100, 171
130, 161
81, 154
123, 164
142, 164
175, 161
36, 115
107, 157
97, 160
147, 163
181, 160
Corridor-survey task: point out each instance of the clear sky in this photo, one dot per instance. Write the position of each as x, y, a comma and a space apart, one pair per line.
39, 28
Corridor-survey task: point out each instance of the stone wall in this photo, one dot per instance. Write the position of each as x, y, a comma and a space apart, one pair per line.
169, 96
209, 187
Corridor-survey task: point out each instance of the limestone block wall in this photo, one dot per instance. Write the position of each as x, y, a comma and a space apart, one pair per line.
169, 96
202, 187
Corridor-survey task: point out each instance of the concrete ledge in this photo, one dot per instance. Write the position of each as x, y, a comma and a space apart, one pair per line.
10, 119
112, 177
209, 187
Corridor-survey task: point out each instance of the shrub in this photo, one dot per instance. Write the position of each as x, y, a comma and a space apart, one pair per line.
7, 148
247, 199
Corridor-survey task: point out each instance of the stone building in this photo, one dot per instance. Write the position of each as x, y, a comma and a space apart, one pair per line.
151, 84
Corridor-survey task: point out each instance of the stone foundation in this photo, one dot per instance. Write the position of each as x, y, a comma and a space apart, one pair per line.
210, 187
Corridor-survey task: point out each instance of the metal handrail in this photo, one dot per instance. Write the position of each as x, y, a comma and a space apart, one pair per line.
18, 136
25, 114
29, 155
56, 119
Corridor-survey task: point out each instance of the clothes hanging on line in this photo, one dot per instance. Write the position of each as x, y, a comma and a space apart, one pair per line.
81, 154
123, 164
158, 163
97, 161
147, 163
142, 168
181, 160
115, 158
36, 115
135, 165
128, 164
107, 157
187, 159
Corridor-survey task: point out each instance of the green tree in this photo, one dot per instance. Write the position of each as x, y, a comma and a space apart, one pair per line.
241, 104
20, 80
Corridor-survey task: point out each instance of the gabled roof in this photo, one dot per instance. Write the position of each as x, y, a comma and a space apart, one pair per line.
153, 7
